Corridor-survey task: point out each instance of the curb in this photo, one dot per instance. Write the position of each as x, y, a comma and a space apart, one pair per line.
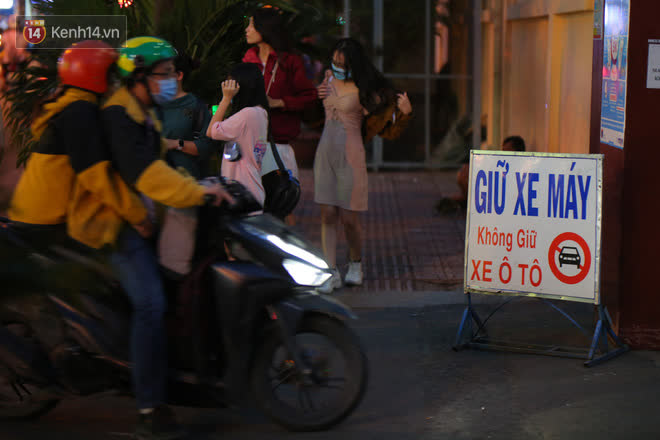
399, 299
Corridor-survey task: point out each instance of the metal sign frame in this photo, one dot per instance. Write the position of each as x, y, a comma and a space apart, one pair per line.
600, 349
598, 352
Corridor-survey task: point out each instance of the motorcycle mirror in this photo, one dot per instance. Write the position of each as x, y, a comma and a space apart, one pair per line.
232, 152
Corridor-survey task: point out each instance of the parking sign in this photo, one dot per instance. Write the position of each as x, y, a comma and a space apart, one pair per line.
533, 225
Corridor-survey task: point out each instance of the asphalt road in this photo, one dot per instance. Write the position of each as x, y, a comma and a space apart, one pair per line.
420, 389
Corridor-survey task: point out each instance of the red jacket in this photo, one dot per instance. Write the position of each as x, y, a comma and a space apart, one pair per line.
292, 86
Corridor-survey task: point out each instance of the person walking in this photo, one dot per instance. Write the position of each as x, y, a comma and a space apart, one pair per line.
289, 90
188, 150
185, 120
352, 90
248, 126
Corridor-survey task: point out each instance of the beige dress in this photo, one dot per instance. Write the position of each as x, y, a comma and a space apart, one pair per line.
340, 169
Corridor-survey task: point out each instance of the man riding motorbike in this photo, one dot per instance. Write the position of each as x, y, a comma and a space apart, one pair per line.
68, 175
133, 135
70, 179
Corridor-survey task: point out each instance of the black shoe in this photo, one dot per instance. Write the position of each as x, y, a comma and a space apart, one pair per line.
159, 424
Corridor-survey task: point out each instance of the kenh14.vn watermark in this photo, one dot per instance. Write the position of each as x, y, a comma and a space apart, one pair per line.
61, 31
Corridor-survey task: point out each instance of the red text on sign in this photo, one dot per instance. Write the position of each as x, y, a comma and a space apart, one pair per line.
535, 274
485, 270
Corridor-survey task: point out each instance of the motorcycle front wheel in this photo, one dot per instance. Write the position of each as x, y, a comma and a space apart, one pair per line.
323, 391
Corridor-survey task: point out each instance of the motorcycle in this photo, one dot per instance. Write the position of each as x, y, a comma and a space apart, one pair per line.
245, 319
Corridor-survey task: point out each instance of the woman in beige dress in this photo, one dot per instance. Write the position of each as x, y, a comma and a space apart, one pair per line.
352, 90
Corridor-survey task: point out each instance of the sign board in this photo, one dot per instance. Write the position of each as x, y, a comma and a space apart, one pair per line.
653, 75
615, 72
533, 225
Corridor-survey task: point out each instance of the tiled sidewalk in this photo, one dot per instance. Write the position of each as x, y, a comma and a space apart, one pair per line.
406, 246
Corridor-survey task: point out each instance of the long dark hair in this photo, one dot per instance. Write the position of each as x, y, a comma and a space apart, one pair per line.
251, 82
376, 91
186, 64
270, 24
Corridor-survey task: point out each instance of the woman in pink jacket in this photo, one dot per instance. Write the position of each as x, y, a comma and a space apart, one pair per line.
244, 92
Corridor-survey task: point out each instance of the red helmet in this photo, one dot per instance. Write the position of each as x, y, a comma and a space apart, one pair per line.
85, 65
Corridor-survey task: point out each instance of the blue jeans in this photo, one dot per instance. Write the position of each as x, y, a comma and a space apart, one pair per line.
134, 262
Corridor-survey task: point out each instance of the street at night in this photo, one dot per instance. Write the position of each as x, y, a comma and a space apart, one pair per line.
420, 389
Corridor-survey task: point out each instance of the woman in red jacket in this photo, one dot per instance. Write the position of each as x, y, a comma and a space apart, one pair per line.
288, 88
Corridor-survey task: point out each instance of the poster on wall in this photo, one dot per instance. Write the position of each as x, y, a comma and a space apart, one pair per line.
615, 68
598, 19
533, 225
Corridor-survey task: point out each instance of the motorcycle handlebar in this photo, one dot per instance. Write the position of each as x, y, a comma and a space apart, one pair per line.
209, 199
243, 199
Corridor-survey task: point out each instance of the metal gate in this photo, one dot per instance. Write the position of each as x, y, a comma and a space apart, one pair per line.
431, 49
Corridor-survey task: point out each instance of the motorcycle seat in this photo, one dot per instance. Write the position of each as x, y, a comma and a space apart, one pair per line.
52, 242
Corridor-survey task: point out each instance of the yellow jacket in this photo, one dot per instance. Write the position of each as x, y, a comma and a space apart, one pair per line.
69, 177
135, 145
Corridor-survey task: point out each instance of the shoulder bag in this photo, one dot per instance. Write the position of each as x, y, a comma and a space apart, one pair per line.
282, 189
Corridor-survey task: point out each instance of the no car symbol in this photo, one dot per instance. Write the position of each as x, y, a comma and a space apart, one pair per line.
569, 255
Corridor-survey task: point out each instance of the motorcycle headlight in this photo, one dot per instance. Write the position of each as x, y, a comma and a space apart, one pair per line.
296, 251
305, 274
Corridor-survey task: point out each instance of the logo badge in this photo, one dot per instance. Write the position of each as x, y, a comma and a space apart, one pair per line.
34, 31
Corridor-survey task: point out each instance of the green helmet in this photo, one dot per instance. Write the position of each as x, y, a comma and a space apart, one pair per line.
143, 52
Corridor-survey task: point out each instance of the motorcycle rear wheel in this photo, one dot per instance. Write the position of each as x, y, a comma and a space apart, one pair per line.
274, 373
16, 393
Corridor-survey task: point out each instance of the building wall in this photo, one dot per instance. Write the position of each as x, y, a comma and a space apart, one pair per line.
629, 176
571, 83
639, 300
524, 94
546, 58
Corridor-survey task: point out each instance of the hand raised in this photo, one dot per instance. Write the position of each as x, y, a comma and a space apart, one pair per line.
323, 89
230, 88
403, 103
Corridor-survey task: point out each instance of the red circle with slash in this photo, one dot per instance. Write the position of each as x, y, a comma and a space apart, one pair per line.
554, 247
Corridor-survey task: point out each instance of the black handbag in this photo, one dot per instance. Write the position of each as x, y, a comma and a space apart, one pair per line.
282, 189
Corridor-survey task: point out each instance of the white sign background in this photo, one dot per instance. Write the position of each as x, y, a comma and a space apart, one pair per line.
510, 253
653, 73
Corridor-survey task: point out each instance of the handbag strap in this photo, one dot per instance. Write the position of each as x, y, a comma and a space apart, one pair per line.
272, 75
276, 155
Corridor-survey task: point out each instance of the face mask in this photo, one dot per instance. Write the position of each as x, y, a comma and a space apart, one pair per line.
340, 73
167, 91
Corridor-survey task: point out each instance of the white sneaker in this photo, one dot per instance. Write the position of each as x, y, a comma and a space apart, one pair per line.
334, 282
354, 274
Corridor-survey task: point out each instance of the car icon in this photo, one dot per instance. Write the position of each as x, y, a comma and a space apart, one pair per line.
569, 255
